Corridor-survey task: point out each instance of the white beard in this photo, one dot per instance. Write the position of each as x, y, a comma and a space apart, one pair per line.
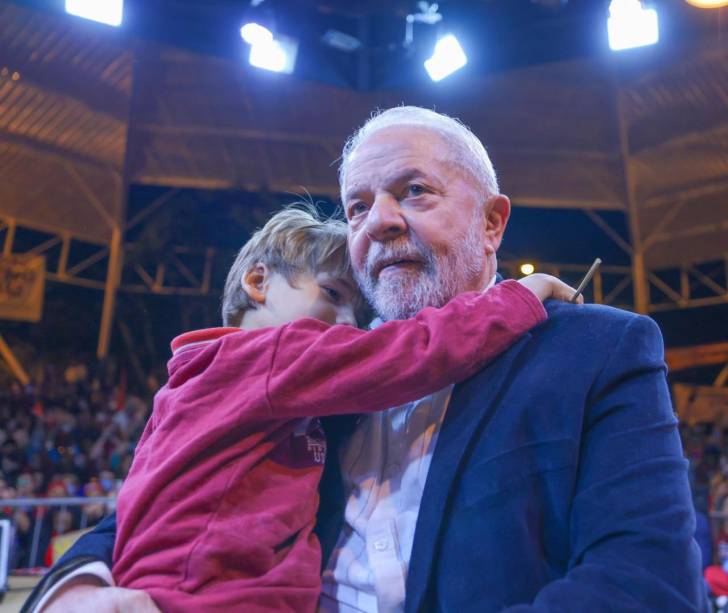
435, 281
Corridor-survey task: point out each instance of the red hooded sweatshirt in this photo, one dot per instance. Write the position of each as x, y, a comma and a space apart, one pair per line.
218, 509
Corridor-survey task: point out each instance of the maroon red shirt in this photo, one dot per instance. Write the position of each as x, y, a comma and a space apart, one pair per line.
218, 509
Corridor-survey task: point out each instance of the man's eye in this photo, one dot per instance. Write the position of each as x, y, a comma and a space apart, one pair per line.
357, 208
415, 190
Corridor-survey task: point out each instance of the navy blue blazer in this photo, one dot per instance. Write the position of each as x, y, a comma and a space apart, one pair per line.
558, 482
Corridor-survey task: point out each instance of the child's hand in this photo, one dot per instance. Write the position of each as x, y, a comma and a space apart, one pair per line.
546, 286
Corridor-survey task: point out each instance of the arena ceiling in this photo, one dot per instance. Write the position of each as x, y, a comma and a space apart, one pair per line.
86, 111
64, 109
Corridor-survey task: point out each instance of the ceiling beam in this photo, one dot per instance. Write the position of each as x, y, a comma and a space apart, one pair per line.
692, 192
48, 229
609, 231
678, 124
689, 232
251, 134
56, 154
61, 77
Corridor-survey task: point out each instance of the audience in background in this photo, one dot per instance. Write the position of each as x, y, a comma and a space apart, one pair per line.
706, 447
73, 433
70, 433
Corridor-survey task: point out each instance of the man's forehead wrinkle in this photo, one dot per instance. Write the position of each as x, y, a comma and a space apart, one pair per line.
356, 187
383, 179
392, 172
363, 173
400, 176
378, 160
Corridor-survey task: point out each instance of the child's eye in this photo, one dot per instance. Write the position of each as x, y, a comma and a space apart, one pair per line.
331, 293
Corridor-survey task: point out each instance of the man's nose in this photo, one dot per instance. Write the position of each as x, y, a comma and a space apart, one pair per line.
385, 220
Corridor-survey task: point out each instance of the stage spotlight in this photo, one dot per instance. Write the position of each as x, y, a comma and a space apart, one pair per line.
446, 59
255, 34
527, 268
708, 4
277, 54
109, 12
631, 25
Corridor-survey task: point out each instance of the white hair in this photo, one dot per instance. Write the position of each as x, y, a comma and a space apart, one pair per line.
467, 150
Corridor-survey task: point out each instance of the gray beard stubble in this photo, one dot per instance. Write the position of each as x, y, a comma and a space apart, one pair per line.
440, 278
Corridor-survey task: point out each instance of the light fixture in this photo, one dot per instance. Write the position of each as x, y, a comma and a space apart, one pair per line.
109, 12
255, 34
341, 41
631, 25
277, 54
447, 57
527, 268
708, 4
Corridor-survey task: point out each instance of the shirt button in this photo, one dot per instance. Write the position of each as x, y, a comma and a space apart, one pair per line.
381, 544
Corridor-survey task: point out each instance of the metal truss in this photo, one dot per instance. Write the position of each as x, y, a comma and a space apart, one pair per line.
688, 286
611, 285
187, 273
691, 286
696, 285
44, 241
183, 261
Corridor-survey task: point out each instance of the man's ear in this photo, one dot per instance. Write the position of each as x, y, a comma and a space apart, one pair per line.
497, 212
255, 283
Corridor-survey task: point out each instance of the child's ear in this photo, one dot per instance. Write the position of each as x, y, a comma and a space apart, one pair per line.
255, 283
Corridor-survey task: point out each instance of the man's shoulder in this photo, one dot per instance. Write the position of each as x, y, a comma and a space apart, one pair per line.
565, 312
598, 326
566, 316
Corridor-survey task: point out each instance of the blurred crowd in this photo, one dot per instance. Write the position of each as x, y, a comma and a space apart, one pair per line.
71, 432
706, 448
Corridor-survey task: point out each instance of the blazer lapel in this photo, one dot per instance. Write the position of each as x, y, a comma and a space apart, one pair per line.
471, 407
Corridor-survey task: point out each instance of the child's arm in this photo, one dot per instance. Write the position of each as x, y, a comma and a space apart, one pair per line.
318, 369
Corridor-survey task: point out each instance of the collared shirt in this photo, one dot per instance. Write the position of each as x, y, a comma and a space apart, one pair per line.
384, 467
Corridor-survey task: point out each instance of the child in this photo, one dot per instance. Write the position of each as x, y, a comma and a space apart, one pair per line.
218, 510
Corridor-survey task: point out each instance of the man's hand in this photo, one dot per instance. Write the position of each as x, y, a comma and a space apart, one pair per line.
81, 597
546, 286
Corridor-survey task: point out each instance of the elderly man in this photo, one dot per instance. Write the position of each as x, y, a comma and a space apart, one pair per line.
551, 481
